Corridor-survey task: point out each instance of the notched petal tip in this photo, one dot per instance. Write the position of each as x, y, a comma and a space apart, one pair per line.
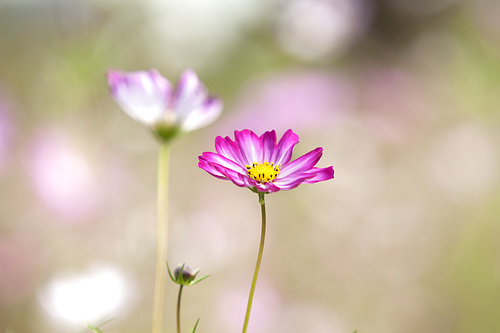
194, 106
187, 73
290, 132
113, 76
290, 135
188, 83
320, 174
110, 73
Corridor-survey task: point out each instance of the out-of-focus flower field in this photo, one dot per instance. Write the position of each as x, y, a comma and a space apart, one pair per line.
403, 95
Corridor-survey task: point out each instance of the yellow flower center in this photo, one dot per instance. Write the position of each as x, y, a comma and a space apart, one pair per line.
263, 172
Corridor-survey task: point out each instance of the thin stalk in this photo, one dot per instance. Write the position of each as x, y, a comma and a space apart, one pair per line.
259, 259
161, 238
179, 309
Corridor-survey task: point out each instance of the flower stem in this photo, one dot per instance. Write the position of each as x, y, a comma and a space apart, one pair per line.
179, 309
161, 238
259, 259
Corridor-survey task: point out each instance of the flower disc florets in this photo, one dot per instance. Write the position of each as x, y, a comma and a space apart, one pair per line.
261, 164
263, 172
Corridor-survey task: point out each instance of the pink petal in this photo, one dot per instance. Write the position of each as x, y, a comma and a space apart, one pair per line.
250, 146
283, 151
267, 187
211, 169
291, 182
214, 158
320, 174
268, 142
238, 179
231, 175
229, 149
301, 164
221, 172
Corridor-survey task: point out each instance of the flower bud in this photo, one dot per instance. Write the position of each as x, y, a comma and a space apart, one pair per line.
185, 275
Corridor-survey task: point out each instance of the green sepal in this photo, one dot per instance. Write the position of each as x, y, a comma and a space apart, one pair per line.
195, 326
93, 328
199, 280
170, 273
255, 190
261, 198
165, 133
261, 194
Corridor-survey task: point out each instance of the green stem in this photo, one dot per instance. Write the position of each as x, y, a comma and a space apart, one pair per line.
161, 238
259, 259
179, 309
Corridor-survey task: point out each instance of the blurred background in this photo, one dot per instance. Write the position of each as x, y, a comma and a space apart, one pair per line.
402, 94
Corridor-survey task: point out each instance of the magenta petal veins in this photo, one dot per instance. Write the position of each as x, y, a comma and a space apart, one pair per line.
261, 164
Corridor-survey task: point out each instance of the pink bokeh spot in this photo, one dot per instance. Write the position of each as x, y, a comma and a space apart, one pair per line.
63, 178
7, 131
313, 30
299, 99
265, 313
19, 262
393, 104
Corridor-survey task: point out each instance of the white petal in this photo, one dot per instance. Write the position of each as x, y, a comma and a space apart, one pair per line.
203, 116
145, 95
190, 94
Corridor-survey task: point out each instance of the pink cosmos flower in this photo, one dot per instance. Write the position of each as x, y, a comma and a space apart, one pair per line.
262, 165
148, 97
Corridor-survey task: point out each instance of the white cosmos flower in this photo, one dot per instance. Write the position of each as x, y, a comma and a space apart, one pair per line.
148, 97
